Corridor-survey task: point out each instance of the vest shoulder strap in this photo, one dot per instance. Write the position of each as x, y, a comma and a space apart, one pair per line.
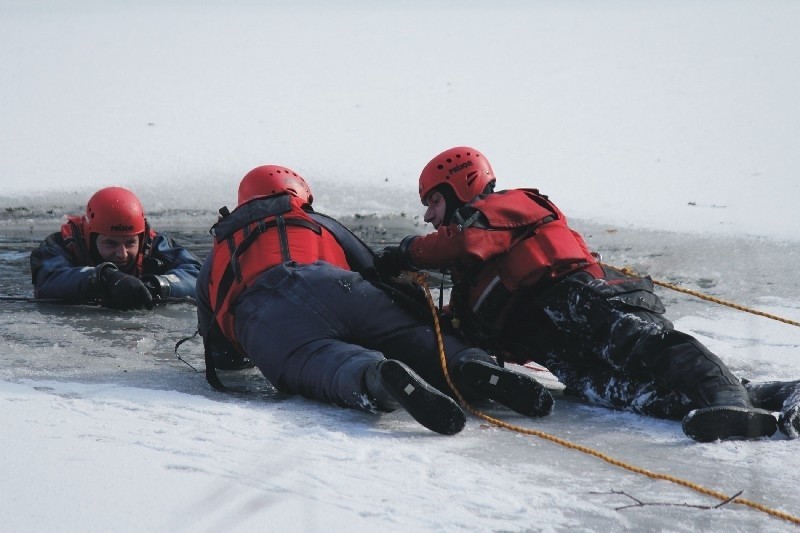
251, 212
359, 255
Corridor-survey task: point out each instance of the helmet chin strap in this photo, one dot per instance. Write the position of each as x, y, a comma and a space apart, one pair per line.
96, 257
451, 202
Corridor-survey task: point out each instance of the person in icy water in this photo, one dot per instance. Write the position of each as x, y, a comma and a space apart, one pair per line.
527, 288
288, 289
112, 256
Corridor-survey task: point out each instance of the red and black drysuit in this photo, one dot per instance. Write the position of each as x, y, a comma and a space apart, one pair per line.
283, 286
527, 288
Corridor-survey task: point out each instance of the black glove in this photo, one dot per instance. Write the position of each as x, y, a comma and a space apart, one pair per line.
389, 262
152, 266
124, 291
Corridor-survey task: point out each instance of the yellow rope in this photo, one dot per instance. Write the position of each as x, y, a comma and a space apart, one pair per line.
631, 272
585, 449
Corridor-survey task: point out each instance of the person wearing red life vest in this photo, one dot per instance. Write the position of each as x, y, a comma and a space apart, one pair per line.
527, 288
111, 255
294, 292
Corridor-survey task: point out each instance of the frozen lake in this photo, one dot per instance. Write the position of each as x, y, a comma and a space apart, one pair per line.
85, 361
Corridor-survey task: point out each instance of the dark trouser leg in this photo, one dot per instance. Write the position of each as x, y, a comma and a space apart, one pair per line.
583, 333
617, 391
373, 319
724, 411
773, 395
314, 330
330, 371
350, 376
290, 339
679, 362
783, 396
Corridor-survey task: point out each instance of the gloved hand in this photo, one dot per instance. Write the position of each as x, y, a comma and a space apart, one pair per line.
389, 262
124, 291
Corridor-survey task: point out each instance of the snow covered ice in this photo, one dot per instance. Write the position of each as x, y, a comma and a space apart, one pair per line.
667, 132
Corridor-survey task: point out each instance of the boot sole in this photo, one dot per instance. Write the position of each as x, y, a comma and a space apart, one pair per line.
720, 423
516, 391
427, 405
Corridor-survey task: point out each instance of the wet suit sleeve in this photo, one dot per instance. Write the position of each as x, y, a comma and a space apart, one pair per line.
55, 274
450, 246
177, 270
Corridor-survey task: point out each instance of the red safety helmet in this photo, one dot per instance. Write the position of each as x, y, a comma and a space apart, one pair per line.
267, 180
113, 211
464, 169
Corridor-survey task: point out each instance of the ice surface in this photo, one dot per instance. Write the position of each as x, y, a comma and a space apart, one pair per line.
666, 132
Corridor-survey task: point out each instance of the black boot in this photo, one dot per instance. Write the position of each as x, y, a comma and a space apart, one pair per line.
708, 424
783, 396
730, 415
392, 385
516, 391
680, 362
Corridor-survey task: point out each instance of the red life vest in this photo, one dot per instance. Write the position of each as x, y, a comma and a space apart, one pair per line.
78, 244
543, 249
255, 237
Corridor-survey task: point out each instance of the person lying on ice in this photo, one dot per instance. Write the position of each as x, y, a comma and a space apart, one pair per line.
282, 287
526, 288
111, 255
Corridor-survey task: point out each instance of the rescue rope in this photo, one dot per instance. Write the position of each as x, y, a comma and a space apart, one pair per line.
420, 279
702, 296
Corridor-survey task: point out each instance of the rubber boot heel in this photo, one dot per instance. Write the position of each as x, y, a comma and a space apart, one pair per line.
427, 405
720, 423
516, 391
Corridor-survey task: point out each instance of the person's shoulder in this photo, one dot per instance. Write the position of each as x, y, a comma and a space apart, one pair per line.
504, 199
159, 237
53, 246
513, 193
54, 239
164, 241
